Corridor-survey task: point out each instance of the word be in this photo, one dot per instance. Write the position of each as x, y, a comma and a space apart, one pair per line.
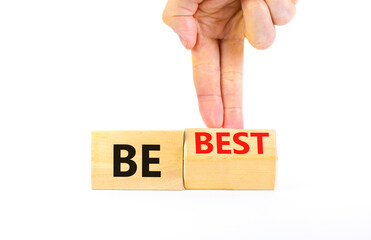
146, 160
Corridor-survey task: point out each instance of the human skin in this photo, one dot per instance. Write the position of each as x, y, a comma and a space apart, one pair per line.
215, 30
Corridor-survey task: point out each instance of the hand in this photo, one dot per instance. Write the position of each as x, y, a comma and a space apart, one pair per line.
215, 31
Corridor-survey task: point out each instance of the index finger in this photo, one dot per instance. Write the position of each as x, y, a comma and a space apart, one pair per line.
206, 76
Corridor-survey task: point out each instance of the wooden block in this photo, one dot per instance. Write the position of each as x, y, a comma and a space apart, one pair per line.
230, 159
137, 160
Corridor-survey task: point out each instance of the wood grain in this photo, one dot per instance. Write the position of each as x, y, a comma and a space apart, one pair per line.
250, 171
170, 160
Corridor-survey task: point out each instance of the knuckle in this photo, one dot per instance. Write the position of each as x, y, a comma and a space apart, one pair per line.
232, 75
234, 108
206, 67
205, 97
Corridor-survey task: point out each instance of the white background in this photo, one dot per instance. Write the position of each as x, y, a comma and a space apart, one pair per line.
72, 66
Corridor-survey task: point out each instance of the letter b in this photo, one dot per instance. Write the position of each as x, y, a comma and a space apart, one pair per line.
206, 142
128, 159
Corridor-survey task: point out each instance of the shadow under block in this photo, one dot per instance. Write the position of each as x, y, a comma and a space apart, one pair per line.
230, 159
137, 160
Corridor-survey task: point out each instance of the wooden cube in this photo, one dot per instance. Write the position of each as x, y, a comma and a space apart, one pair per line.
137, 160
230, 159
